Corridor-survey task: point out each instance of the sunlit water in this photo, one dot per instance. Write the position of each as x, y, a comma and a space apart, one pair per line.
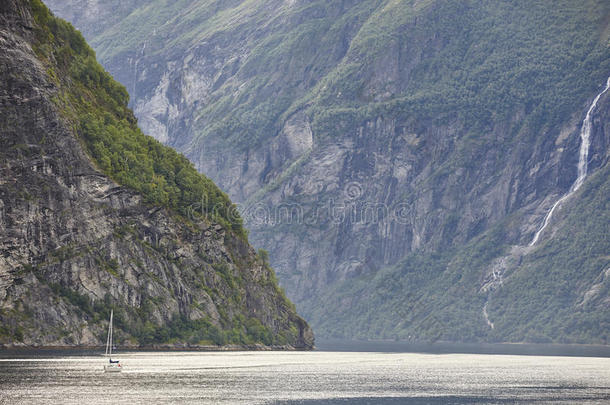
305, 378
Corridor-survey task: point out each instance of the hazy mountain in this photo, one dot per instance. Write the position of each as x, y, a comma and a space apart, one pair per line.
396, 157
96, 216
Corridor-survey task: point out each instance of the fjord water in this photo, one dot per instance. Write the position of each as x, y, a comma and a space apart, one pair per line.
305, 378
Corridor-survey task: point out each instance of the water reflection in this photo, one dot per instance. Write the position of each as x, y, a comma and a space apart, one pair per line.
306, 378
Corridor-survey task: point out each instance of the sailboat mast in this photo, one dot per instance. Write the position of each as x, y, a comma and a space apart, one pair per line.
109, 337
112, 366
110, 348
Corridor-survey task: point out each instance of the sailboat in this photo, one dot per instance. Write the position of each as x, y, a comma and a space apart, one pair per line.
114, 366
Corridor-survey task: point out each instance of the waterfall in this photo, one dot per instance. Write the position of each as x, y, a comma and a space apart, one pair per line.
517, 252
583, 161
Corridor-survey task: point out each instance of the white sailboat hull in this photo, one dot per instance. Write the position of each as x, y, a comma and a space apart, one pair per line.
112, 368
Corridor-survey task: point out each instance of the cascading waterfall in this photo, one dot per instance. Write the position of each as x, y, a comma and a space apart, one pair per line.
583, 158
517, 252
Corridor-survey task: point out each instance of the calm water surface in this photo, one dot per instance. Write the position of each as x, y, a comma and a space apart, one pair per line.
305, 378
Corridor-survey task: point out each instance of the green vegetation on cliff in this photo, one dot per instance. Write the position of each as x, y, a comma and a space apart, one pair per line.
97, 106
472, 61
74, 246
479, 63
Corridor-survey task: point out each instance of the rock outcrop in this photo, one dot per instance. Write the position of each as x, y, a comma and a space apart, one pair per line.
74, 243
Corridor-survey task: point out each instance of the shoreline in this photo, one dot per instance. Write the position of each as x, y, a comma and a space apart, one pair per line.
504, 348
337, 345
10, 348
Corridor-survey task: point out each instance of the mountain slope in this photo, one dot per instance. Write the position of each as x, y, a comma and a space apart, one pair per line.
96, 216
389, 154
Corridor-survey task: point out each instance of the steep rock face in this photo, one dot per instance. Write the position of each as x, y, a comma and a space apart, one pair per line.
95, 14
74, 243
384, 152
495, 286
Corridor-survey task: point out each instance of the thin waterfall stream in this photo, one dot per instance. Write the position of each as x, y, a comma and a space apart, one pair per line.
500, 265
583, 157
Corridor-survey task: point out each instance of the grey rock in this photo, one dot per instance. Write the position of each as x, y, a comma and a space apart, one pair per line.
67, 227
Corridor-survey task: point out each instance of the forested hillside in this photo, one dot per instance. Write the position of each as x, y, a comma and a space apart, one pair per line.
96, 216
392, 155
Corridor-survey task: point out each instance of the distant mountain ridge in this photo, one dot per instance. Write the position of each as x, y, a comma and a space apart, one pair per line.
449, 128
94, 216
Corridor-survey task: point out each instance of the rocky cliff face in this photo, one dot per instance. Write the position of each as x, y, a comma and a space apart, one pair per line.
388, 154
74, 243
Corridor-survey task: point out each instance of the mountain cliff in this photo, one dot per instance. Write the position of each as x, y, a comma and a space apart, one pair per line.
396, 157
96, 216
